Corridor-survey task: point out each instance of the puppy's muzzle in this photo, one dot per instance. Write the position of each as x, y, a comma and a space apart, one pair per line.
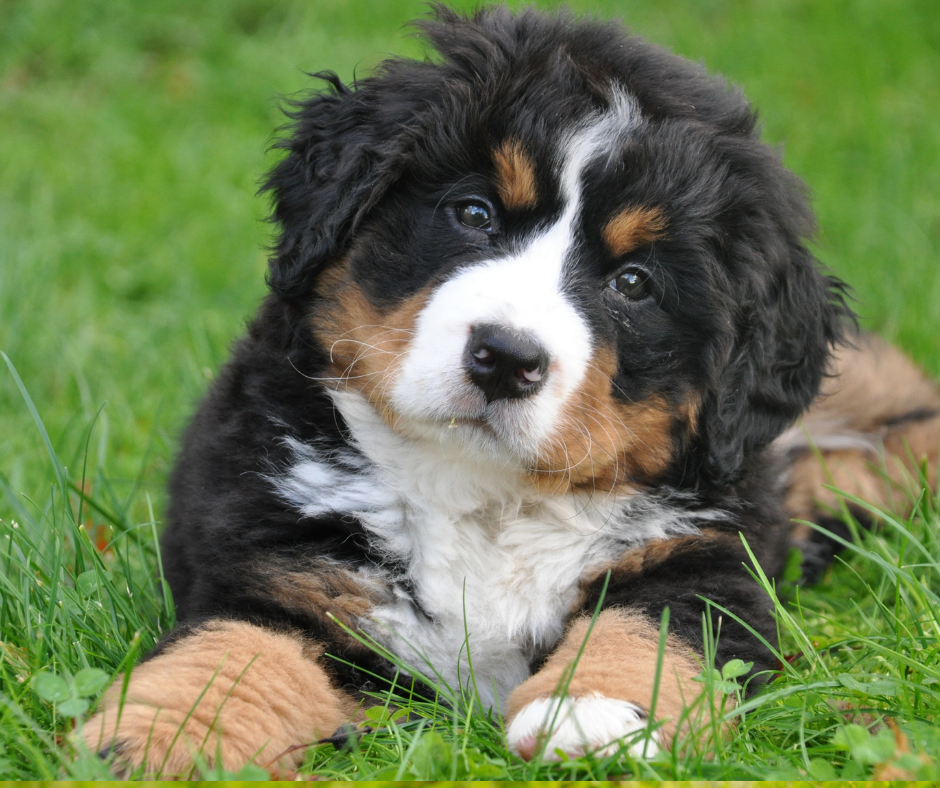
505, 363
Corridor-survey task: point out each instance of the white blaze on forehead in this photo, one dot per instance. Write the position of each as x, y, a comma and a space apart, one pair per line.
599, 134
523, 291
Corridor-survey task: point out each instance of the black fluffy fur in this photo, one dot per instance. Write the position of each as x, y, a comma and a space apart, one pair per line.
743, 314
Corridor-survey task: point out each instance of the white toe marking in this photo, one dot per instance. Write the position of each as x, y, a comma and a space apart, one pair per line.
590, 724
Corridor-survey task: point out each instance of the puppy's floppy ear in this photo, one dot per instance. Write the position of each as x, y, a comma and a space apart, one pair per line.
344, 151
787, 316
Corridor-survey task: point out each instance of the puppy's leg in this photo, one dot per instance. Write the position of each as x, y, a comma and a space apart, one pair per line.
873, 428
609, 694
612, 687
230, 692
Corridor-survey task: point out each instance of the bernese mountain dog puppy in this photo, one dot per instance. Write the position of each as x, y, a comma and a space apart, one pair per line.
542, 319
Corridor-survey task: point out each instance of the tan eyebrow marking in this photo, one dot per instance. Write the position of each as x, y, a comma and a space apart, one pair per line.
633, 227
515, 175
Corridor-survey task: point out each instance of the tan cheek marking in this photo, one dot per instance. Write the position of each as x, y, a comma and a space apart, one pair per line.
619, 661
603, 444
689, 412
249, 694
515, 176
633, 227
366, 346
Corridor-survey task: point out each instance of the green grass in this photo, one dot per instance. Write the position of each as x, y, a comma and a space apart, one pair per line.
132, 251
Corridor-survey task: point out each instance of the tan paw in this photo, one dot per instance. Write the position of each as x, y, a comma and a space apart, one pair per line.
156, 742
227, 695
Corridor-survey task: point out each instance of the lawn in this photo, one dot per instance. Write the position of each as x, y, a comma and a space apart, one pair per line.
133, 136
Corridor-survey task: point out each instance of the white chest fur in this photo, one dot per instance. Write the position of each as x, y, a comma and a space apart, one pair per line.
498, 582
491, 568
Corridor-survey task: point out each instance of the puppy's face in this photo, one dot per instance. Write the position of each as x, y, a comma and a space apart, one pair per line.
524, 307
558, 266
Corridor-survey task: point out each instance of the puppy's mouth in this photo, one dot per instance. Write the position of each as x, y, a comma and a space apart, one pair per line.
468, 421
501, 424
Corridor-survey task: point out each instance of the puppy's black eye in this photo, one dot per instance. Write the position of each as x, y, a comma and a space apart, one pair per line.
633, 283
475, 215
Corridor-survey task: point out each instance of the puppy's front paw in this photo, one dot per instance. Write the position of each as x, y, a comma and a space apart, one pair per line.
158, 742
226, 695
577, 726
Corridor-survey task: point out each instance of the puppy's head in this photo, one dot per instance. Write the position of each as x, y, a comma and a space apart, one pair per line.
560, 245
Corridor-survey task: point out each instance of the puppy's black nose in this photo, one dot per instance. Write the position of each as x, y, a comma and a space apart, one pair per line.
505, 364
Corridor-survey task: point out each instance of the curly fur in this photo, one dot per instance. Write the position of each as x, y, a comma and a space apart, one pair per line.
349, 464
